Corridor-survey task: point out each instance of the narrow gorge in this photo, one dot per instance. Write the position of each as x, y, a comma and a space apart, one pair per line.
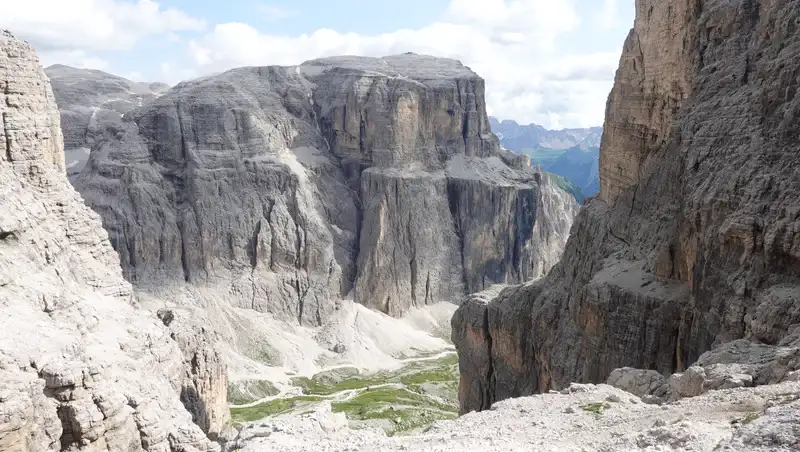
341, 255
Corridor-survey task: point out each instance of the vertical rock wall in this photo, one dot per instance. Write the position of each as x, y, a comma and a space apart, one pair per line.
81, 368
289, 188
694, 240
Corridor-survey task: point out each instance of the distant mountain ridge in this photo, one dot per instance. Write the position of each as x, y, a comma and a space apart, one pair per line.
573, 154
534, 135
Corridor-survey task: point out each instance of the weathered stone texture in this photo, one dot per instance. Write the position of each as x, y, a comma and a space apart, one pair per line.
293, 187
694, 240
81, 368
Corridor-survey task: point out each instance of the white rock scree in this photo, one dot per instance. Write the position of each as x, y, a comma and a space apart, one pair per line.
697, 279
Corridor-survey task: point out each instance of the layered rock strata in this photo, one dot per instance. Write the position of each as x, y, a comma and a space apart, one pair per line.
81, 367
694, 240
89, 101
288, 188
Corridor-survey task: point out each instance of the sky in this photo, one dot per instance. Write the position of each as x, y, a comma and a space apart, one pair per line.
550, 62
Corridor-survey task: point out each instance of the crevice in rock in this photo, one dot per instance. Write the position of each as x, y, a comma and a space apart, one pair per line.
253, 246
412, 263
428, 298
453, 201
67, 436
184, 258
300, 299
488, 393
613, 234
8, 235
8, 139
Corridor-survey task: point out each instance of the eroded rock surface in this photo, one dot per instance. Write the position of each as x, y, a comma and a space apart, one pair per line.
81, 367
288, 188
89, 101
694, 240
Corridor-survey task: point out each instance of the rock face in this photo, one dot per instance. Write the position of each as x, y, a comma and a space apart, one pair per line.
81, 367
694, 240
91, 100
288, 188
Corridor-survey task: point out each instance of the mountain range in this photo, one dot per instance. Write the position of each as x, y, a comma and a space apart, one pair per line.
573, 154
273, 258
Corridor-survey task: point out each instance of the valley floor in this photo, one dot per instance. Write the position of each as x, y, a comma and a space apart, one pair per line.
423, 390
580, 418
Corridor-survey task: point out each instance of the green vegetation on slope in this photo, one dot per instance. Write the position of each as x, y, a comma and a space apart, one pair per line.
271, 408
596, 408
407, 410
568, 187
440, 370
401, 400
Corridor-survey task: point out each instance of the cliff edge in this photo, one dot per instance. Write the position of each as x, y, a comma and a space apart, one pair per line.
694, 240
81, 367
285, 189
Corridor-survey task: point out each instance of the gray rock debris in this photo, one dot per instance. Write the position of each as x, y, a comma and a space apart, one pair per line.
736, 364
81, 368
694, 240
589, 418
291, 187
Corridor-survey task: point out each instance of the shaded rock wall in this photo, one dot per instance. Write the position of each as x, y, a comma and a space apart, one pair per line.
694, 240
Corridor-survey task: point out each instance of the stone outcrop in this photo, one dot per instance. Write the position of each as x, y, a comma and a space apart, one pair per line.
735, 364
694, 240
89, 101
81, 367
205, 386
288, 188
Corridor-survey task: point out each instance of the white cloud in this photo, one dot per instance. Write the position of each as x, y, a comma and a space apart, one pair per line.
74, 58
91, 25
609, 14
517, 46
510, 43
273, 12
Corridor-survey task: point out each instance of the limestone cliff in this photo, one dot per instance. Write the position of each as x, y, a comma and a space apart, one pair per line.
81, 367
288, 188
89, 101
694, 240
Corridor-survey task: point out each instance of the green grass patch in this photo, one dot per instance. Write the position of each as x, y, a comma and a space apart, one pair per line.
271, 408
316, 387
596, 408
430, 394
436, 375
444, 369
406, 409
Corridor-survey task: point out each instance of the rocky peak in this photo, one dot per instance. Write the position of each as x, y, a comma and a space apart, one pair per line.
694, 240
292, 187
81, 366
89, 101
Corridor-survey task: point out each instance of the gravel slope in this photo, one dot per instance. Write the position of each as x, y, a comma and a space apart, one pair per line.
582, 418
